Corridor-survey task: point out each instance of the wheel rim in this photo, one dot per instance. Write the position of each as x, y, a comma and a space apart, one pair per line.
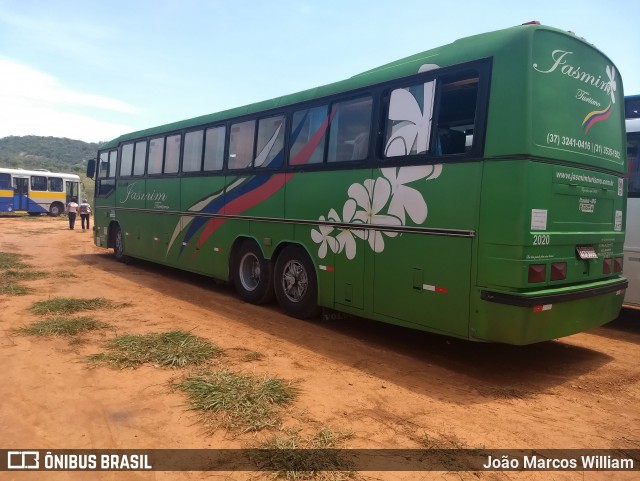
295, 281
249, 271
55, 210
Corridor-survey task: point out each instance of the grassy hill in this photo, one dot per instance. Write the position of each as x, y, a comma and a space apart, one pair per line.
52, 153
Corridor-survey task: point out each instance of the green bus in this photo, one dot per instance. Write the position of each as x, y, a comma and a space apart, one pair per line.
474, 190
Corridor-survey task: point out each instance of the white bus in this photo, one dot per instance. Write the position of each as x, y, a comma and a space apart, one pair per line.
632, 238
37, 191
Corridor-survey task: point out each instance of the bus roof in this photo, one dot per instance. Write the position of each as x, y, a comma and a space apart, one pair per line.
462, 50
42, 172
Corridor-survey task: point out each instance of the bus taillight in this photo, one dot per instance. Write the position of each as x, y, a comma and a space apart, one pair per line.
558, 271
606, 266
617, 264
537, 273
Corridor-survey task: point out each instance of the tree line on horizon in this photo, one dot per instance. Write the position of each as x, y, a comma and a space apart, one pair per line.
56, 154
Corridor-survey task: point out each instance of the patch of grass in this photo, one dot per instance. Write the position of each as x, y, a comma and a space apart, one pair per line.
62, 326
65, 275
443, 450
14, 289
252, 356
235, 401
169, 349
445, 441
11, 260
70, 305
25, 275
290, 457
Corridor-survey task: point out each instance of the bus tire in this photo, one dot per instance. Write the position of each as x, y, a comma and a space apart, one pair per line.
118, 244
56, 209
252, 274
295, 283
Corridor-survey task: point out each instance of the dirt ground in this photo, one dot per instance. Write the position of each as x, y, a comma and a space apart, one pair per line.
389, 387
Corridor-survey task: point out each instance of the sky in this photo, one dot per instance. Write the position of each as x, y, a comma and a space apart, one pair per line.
95, 70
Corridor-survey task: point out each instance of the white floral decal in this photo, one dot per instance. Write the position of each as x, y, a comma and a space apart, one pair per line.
322, 237
385, 201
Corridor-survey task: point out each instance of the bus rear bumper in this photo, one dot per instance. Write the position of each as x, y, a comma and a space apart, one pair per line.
535, 317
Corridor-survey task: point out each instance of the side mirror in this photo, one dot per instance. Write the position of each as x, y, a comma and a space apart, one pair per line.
91, 168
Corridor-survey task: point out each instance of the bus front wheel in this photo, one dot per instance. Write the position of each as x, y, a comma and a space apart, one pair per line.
118, 244
295, 283
252, 274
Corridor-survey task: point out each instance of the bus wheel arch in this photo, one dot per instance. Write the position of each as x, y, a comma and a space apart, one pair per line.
56, 209
251, 272
295, 282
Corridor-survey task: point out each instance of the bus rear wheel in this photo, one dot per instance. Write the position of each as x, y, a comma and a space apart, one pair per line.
56, 209
252, 274
295, 283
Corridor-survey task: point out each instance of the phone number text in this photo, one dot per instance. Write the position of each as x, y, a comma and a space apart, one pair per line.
598, 149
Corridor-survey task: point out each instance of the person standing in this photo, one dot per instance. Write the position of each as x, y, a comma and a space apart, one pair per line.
72, 210
85, 212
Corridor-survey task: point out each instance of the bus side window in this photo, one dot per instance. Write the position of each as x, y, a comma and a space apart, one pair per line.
126, 164
55, 184
214, 148
456, 114
113, 162
156, 154
103, 168
172, 154
140, 158
38, 183
106, 173
270, 151
308, 131
409, 115
349, 130
192, 155
5, 181
241, 143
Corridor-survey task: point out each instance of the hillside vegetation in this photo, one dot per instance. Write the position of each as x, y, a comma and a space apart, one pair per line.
51, 153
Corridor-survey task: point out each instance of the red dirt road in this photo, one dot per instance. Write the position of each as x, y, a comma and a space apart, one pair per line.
389, 387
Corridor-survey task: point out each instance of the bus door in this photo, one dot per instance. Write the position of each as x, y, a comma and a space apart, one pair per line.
20, 193
73, 191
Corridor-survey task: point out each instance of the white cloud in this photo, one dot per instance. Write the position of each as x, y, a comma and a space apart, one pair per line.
35, 103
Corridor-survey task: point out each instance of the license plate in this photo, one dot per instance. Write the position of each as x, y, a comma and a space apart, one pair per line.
586, 252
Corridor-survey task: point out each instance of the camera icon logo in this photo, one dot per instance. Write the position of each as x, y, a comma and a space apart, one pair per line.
23, 460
